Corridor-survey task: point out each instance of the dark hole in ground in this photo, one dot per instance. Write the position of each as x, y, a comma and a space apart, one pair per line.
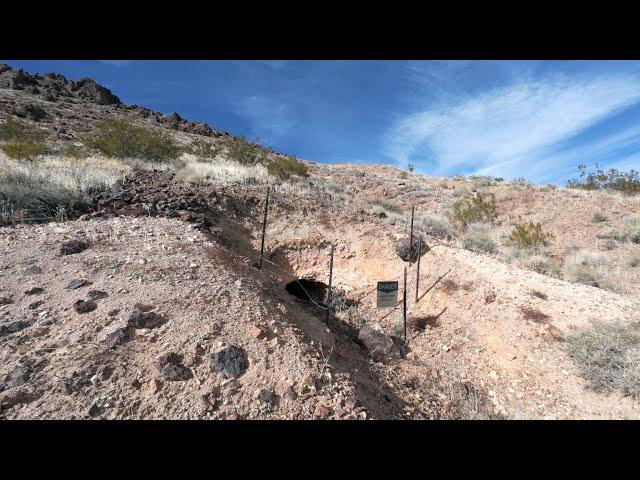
304, 288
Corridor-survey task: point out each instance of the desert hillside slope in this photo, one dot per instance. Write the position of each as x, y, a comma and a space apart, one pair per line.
137, 295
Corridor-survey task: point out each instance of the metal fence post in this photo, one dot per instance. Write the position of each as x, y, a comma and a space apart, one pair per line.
418, 267
404, 304
264, 227
326, 314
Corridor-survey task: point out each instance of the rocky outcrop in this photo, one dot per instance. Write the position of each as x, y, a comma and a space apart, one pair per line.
52, 98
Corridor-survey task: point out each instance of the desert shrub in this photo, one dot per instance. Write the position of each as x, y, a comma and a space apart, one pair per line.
586, 268
613, 179
474, 209
120, 138
608, 356
478, 239
285, 167
70, 150
245, 152
598, 217
387, 205
411, 167
537, 261
436, 226
21, 144
204, 149
635, 261
529, 235
629, 232
24, 149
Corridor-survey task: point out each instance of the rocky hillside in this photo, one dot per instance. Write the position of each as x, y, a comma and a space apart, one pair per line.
148, 303
68, 108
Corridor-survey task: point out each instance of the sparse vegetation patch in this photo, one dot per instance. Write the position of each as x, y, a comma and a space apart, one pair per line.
612, 179
608, 356
475, 209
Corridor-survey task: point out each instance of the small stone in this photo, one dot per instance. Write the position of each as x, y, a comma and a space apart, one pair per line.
321, 412
145, 320
85, 306
39, 332
154, 386
36, 304
350, 403
119, 337
257, 332
13, 327
114, 312
32, 270
72, 247
493, 375
6, 300
97, 294
77, 283
34, 291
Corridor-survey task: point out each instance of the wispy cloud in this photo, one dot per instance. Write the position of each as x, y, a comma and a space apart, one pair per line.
506, 131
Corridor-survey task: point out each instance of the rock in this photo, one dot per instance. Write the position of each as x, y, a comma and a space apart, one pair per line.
18, 376
73, 246
490, 297
257, 332
13, 327
77, 283
171, 368
36, 304
114, 312
142, 307
34, 291
32, 270
268, 397
17, 397
410, 252
231, 361
145, 320
119, 337
154, 386
175, 373
97, 294
493, 375
350, 403
6, 300
85, 306
380, 345
39, 332
321, 412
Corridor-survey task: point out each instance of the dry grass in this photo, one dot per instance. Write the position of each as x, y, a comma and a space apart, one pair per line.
608, 356
44, 185
221, 172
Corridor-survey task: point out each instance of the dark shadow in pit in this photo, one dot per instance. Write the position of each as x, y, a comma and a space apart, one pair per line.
419, 324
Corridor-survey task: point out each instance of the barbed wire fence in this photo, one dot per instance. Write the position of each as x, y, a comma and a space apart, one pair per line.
276, 191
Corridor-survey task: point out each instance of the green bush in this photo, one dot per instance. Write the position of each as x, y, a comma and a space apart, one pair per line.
529, 235
474, 209
629, 232
285, 167
23, 150
613, 179
70, 150
248, 153
204, 149
598, 217
387, 205
121, 139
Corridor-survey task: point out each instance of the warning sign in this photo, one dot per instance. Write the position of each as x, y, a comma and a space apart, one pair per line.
387, 294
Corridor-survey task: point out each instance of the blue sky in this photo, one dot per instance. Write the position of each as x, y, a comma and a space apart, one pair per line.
531, 119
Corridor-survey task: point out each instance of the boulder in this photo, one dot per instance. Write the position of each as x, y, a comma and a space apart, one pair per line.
409, 252
380, 345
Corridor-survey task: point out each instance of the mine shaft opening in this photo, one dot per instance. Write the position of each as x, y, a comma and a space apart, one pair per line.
303, 288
